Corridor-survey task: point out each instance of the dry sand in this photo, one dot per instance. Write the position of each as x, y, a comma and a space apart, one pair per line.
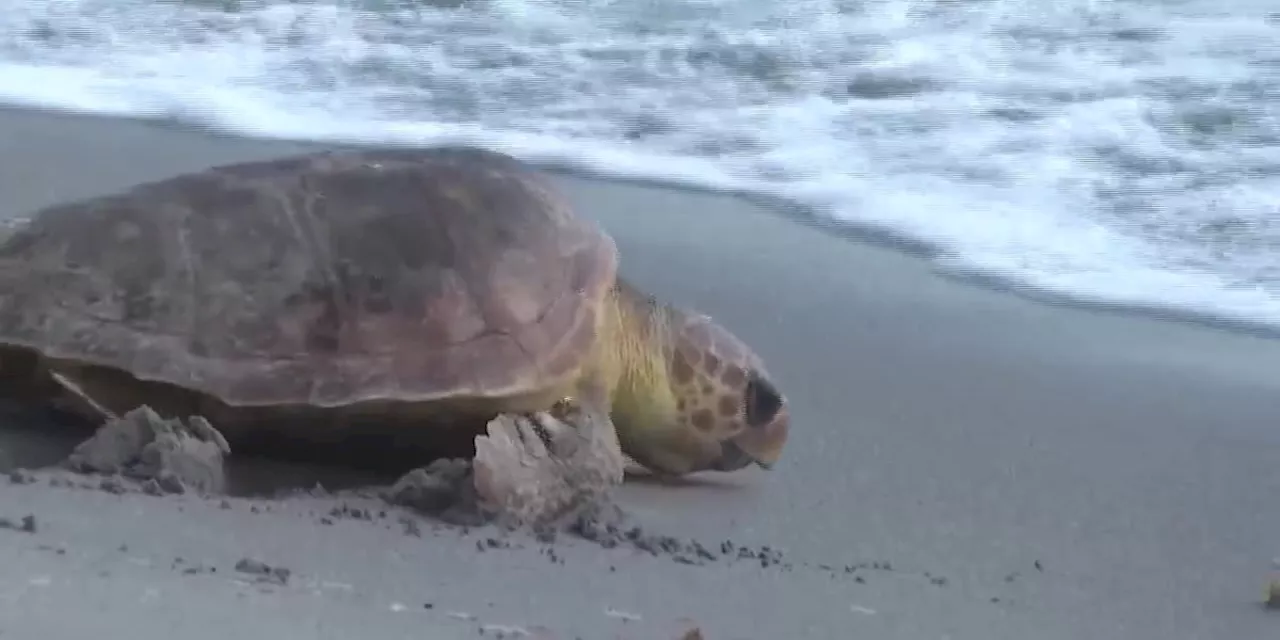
1027, 471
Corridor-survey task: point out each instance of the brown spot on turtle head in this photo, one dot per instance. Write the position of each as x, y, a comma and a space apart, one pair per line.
712, 362
729, 402
703, 419
729, 405
681, 370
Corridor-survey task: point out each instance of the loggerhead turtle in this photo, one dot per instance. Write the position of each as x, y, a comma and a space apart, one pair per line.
363, 304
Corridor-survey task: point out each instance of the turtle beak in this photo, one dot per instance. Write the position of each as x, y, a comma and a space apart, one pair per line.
760, 445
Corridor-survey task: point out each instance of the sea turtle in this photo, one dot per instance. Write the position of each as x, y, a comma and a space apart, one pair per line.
364, 304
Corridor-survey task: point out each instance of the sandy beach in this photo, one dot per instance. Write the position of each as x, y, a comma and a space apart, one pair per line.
1026, 470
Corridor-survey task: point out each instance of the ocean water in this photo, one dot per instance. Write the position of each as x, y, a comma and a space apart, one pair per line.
1117, 150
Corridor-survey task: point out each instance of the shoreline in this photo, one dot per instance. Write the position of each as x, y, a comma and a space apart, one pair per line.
1029, 470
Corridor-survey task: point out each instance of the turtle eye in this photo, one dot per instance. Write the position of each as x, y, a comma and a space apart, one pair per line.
762, 400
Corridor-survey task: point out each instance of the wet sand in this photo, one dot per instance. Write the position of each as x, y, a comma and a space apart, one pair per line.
1025, 470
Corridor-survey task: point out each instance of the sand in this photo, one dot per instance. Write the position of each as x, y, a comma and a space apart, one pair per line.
965, 463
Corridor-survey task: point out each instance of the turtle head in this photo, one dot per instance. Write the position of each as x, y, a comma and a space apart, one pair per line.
728, 412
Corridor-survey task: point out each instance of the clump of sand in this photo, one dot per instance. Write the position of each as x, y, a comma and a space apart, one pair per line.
174, 455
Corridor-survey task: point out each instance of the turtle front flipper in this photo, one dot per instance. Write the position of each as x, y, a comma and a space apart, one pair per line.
532, 469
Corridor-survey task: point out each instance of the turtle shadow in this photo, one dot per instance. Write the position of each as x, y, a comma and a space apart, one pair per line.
37, 439
33, 439
717, 483
43, 440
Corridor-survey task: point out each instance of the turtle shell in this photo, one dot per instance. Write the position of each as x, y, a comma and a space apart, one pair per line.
322, 279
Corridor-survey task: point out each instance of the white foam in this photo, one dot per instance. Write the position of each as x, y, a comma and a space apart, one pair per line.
1138, 166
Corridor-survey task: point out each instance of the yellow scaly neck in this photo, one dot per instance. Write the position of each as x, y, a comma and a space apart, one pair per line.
634, 349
